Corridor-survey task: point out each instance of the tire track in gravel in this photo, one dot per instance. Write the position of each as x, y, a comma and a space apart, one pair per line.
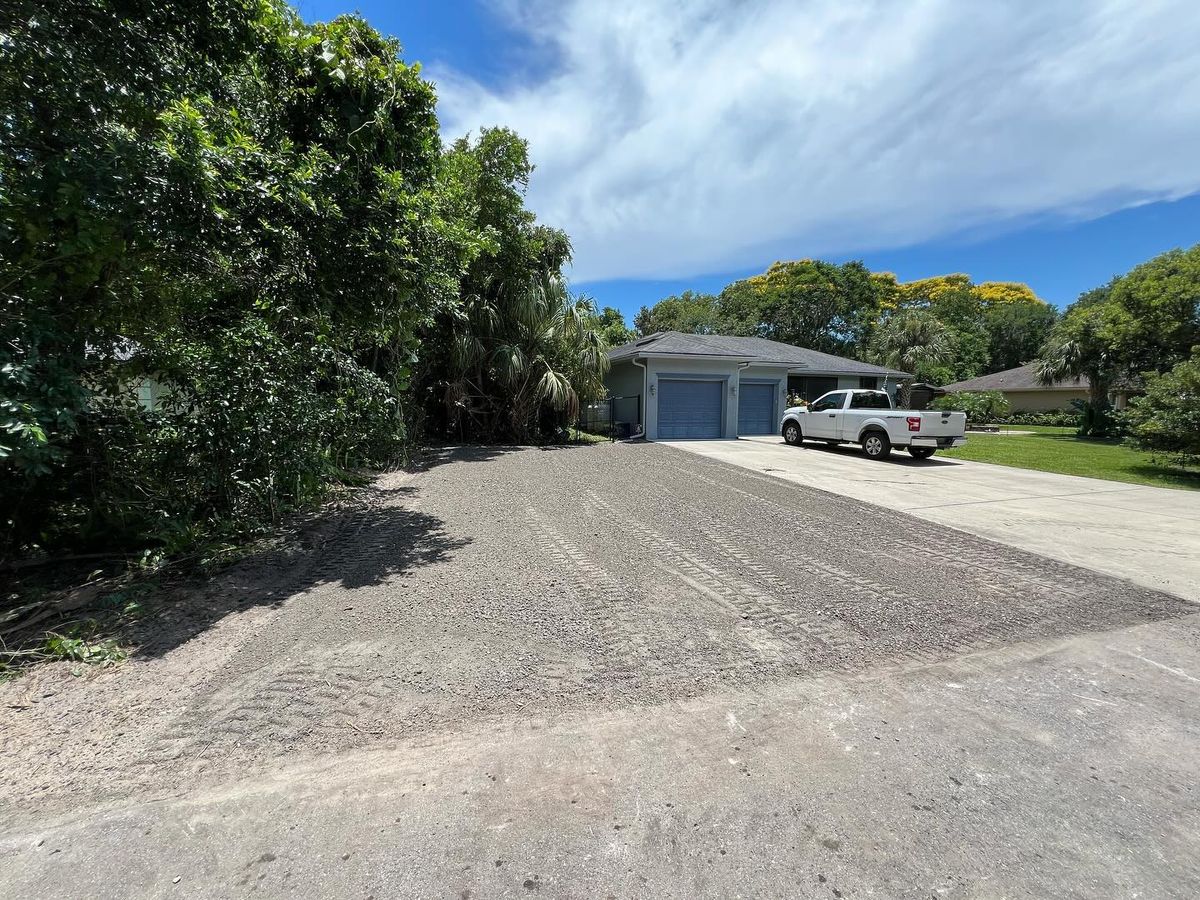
971, 553
604, 603
282, 681
640, 630
1039, 596
790, 633
544, 585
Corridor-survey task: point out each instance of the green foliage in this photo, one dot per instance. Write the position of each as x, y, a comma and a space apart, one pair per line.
79, 649
1151, 319
980, 406
611, 325
839, 308
251, 213
517, 355
1052, 418
689, 312
1016, 332
1077, 348
809, 303
1138, 325
1166, 419
912, 341
1135, 328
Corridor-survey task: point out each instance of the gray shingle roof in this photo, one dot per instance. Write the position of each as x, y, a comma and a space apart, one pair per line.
745, 349
1022, 378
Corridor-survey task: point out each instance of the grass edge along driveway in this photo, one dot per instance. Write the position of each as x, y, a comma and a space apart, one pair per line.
1061, 450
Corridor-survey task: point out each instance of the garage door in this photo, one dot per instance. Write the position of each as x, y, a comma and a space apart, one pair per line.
689, 409
756, 409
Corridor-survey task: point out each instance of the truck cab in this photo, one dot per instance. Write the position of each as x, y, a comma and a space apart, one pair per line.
868, 418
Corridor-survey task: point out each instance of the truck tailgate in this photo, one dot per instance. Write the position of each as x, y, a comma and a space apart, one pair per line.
942, 424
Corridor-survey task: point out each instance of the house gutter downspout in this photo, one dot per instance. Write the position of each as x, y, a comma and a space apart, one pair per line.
645, 399
740, 368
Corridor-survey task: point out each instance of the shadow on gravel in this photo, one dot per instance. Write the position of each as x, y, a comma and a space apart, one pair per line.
433, 457
350, 549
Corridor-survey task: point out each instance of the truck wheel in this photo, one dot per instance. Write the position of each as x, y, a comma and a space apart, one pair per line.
876, 445
921, 452
792, 434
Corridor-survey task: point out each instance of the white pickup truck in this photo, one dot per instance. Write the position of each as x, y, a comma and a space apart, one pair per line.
868, 418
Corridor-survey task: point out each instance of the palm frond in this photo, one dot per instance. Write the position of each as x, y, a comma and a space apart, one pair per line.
555, 388
510, 362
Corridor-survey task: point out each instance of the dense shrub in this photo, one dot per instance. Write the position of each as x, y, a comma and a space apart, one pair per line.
1056, 418
248, 427
980, 406
1166, 419
259, 215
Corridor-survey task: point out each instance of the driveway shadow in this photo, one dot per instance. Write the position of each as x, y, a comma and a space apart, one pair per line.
375, 539
897, 457
432, 457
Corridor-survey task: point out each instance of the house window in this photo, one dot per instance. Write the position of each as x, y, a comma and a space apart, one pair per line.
869, 382
810, 387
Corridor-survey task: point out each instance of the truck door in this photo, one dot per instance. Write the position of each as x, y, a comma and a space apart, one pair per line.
824, 417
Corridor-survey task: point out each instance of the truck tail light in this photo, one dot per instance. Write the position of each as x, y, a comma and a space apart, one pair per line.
914, 423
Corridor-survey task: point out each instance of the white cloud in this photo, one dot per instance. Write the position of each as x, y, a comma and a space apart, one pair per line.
680, 138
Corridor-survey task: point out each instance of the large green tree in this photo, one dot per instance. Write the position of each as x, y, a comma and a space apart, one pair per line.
513, 358
913, 341
1166, 419
689, 312
1077, 347
611, 325
810, 303
1152, 317
1016, 332
245, 207
1139, 325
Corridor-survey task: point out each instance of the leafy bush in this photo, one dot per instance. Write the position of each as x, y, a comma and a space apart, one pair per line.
1166, 419
1056, 418
251, 426
1097, 420
258, 215
980, 406
79, 649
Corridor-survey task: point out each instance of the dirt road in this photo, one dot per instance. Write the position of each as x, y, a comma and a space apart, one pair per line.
621, 670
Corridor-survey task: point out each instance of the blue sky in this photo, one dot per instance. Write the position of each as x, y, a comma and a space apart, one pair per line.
686, 145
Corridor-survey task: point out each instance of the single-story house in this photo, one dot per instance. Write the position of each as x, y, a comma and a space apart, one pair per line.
1023, 391
679, 385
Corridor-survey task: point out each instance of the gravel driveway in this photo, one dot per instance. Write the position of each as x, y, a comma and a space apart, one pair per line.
621, 670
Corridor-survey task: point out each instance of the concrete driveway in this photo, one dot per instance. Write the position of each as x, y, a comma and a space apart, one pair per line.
1148, 535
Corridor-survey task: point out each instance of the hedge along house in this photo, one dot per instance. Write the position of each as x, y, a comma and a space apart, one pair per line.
715, 386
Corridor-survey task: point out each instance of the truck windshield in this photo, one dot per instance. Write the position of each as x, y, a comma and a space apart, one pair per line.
870, 400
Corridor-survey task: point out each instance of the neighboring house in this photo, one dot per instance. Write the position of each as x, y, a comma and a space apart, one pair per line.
1025, 393
151, 393
714, 386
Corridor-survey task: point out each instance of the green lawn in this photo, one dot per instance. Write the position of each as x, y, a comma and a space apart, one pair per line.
586, 437
1051, 449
